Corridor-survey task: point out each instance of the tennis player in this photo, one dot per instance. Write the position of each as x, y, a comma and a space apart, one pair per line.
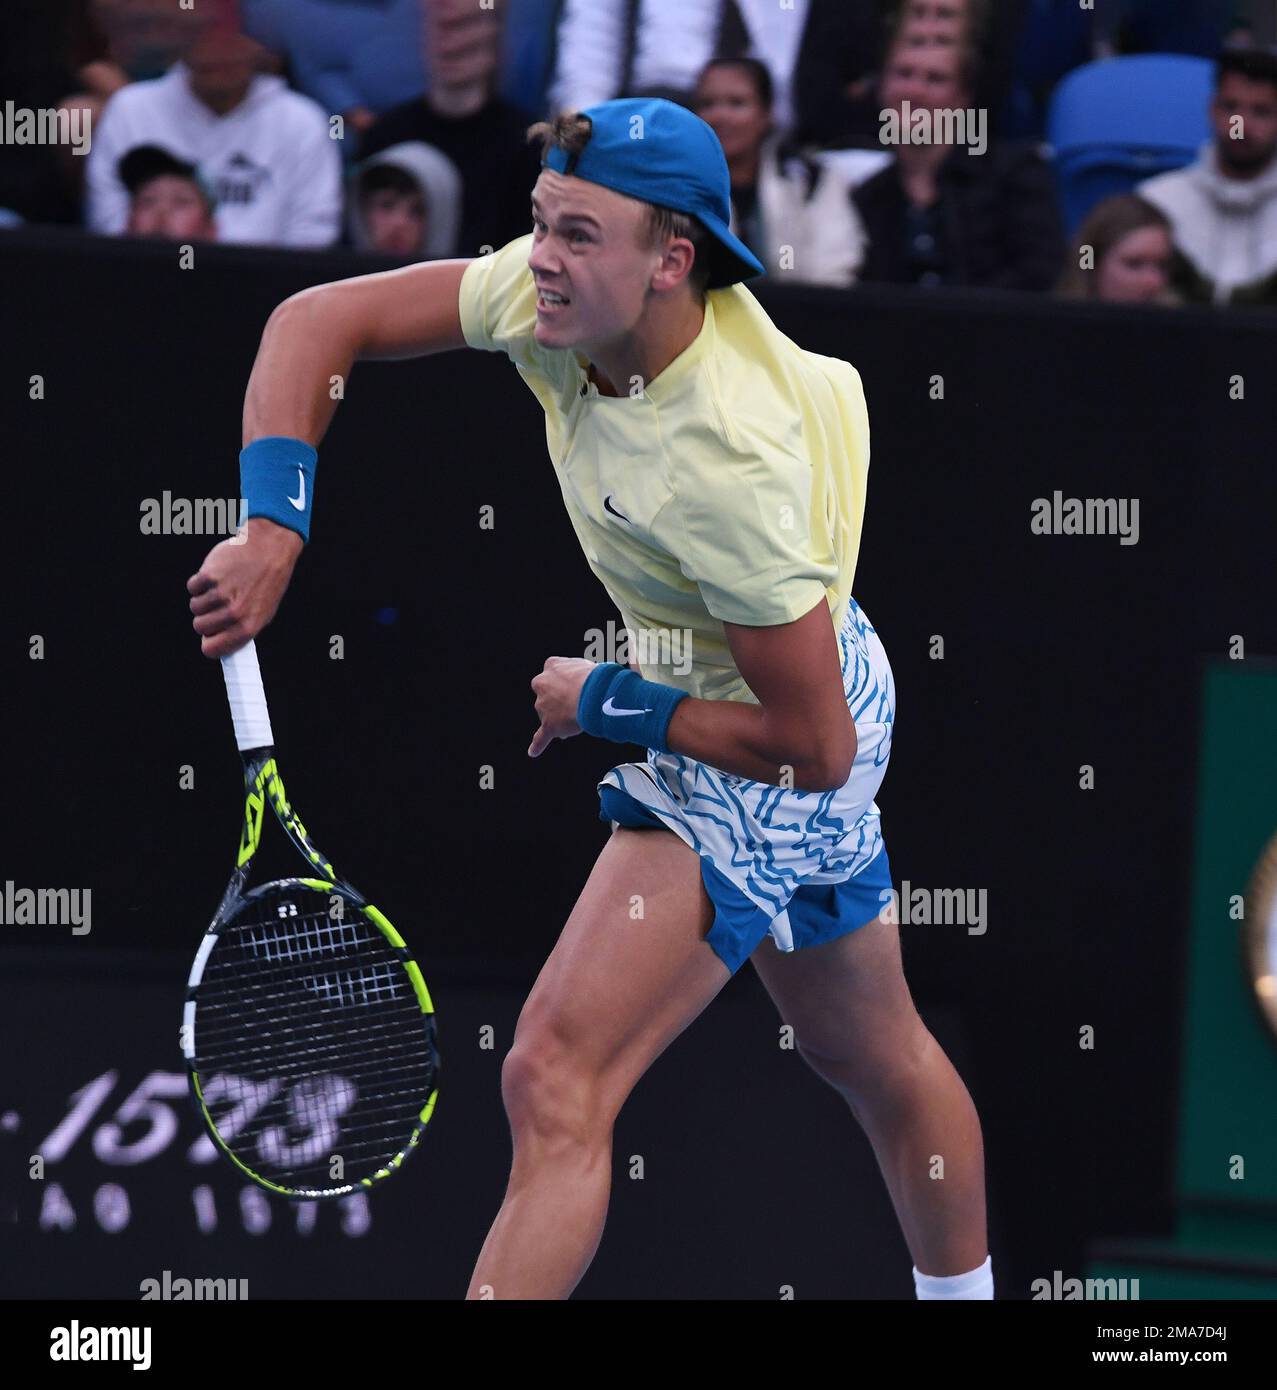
714, 473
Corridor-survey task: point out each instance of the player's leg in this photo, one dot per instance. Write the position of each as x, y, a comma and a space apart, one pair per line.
855, 1023
630, 971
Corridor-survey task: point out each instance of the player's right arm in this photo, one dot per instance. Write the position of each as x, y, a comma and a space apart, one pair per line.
322, 332
309, 339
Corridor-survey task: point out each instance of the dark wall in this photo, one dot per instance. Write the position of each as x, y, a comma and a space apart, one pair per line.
1059, 651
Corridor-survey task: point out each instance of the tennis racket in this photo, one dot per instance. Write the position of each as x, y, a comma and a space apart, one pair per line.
308, 1030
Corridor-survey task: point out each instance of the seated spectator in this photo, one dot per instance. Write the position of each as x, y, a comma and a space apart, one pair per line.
167, 197
1122, 255
794, 215
406, 202
460, 116
845, 114
266, 151
1223, 207
123, 41
355, 58
610, 48
950, 213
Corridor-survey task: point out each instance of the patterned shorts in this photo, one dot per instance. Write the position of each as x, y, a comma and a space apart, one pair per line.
805, 867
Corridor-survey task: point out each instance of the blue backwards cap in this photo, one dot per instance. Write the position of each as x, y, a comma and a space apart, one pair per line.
659, 152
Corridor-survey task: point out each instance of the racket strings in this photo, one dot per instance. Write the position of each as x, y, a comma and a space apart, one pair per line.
310, 1042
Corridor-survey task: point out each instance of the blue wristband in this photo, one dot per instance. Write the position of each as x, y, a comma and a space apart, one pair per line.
276, 480
619, 704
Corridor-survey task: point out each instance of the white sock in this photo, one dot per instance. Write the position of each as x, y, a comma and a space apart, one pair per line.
976, 1283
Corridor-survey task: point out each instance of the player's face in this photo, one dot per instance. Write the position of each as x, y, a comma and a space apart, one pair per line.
590, 260
1136, 268
171, 207
1256, 105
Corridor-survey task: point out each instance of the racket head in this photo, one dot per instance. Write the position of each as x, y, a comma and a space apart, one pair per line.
309, 1036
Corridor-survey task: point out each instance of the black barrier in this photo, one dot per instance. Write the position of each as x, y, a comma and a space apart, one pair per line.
123, 379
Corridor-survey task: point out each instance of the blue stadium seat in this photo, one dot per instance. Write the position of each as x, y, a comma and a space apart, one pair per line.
1117, 122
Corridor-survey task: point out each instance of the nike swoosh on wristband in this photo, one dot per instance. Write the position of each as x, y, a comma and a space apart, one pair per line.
610, 708
300, 500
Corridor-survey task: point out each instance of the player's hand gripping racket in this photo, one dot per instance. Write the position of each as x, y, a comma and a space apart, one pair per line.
308, 1031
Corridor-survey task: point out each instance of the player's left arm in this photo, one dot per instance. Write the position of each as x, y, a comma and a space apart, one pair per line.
800, 733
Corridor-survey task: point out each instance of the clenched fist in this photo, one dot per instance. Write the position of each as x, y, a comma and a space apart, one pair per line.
239, 586
558, 690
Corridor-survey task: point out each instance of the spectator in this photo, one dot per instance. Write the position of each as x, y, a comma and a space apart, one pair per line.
1122, 255
1223, 207
406, 202
265, 151
778, 200
461, 117
844, 113
813, 48
355, 58
167, 197
123, 41
992, 28
949, 213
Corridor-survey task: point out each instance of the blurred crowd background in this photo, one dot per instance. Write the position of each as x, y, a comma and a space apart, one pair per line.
1123, 152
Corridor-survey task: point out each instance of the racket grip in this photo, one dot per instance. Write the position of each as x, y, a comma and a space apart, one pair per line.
247, 695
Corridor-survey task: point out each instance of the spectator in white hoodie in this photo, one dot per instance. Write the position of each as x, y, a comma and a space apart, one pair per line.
1223, 207
265, 151
795, 214
406, 201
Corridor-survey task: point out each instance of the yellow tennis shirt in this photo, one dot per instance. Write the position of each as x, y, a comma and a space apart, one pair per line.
731, 490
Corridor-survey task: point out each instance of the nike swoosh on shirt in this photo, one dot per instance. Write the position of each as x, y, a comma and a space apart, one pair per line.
300, 500
610, 708
607, 503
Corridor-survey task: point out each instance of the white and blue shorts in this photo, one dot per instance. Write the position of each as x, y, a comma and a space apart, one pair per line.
805, 867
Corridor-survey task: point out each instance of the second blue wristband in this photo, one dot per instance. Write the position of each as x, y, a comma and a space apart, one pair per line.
277, 481
618, 704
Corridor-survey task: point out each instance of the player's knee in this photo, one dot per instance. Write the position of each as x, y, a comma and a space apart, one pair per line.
871, 1062
546, 1091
